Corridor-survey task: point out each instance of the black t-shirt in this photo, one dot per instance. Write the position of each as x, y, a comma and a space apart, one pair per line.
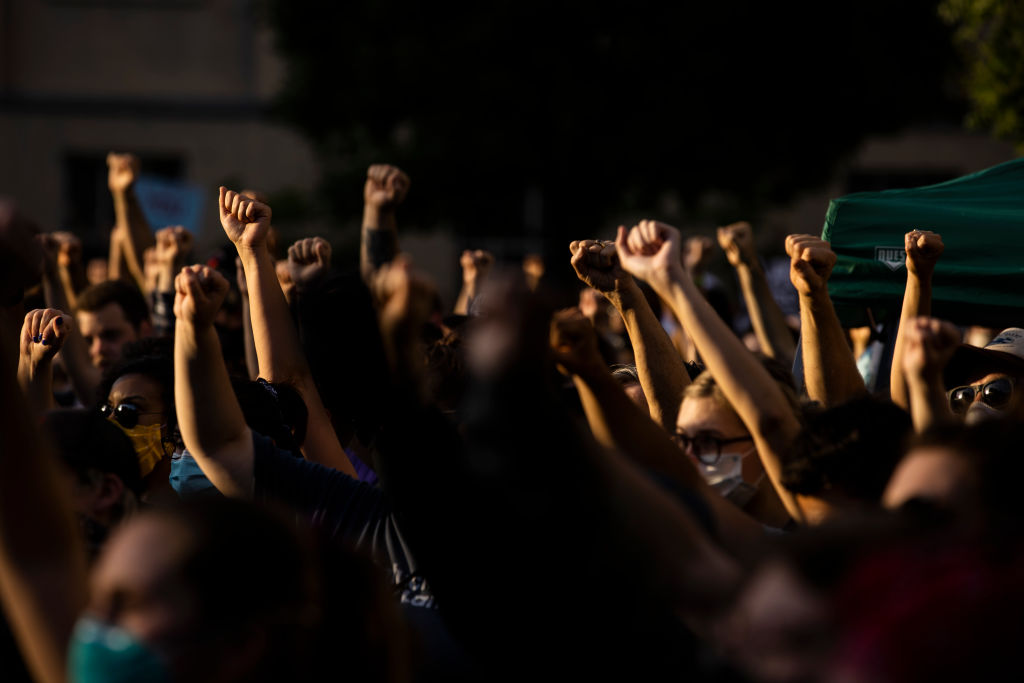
342, 507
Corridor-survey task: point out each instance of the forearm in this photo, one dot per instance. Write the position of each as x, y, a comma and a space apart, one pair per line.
42, 561
928, 403
466, 295
830, 370
917, 301
210, 420
661, 369
379, 243
252, 363
766, 317
36, 382
280, 358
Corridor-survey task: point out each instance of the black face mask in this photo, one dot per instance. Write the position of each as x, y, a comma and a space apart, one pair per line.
94, 534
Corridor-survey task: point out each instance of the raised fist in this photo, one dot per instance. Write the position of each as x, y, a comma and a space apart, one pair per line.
574, 343
650, 251
385, 186
923, 251
122, 171
199, 293
173, 244
69, 248
246, 221
596, 263
309, 260
43, 334
811, 262
930, 345
737, 241
697, 251
475, 265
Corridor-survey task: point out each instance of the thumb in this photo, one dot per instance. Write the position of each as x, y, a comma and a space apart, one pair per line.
620, 242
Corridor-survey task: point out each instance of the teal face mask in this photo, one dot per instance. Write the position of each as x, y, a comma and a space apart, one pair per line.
99, 652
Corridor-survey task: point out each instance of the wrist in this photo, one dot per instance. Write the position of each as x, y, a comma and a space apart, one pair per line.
816, 299
625, 295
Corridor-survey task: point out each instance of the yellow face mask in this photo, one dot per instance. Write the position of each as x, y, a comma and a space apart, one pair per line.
149, 445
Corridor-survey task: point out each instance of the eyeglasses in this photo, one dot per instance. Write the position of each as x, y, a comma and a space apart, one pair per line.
706, 448
996, 394
126, 414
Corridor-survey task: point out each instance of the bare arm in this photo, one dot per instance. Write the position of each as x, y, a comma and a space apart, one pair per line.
621, 425
384, 191
475, 266
252, 363
42, 335
662, 373
766, 317
131, 227
278, 350
830, 370
929, 345
923, 251
652, 252
209, 417
42, 561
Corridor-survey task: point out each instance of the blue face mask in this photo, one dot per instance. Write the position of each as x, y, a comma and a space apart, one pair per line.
188, 480
99, 653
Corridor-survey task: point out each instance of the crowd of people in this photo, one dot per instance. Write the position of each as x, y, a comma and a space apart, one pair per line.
256, 468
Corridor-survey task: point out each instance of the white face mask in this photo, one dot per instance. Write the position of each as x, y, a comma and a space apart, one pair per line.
726, 477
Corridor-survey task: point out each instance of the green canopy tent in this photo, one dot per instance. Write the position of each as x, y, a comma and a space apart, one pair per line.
979, 279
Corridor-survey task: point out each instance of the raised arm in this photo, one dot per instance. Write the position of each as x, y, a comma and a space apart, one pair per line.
929, 346
662, 372
42, 561
209, 417
278, 350
773, 335
830, 370
131, 230
384, 190
651, 252
923, 251
42, 336
173, 245
252, 363
621, 425
475, 266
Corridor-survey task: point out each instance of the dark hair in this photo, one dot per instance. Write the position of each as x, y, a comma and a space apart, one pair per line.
275, 410
151, 358
851, 449
127, 296
87, 442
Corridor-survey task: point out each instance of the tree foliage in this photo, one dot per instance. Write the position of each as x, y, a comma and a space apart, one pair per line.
602, 108
990, 37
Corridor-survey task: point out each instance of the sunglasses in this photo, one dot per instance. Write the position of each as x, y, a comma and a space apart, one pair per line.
125, 414
706, 448
996, 394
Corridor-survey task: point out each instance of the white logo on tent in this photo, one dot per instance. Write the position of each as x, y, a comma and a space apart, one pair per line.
893, 257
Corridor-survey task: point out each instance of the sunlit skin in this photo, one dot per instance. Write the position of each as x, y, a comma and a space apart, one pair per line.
105, 331
705, 415
142, 392
930, 473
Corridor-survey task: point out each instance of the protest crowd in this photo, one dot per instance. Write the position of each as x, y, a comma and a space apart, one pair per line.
271, 466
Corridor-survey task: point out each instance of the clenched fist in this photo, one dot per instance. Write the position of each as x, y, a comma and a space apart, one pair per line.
923, 251
385, 186
930, 346
596, 263
199, 293
309, 261
737, 241
43, 334
475, 265
122, 171
246, 221
173, 244
650, 252
811, 262
574, 343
